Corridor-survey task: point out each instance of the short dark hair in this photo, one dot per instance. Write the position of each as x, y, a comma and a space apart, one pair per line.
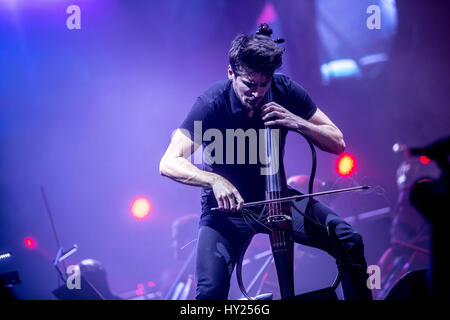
259, 53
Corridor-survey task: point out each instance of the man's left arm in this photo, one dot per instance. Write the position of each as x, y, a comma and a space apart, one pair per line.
322, 131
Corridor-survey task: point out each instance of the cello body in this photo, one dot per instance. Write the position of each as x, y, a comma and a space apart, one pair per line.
279, 217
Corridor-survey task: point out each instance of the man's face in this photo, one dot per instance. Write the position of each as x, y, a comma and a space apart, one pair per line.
250, 87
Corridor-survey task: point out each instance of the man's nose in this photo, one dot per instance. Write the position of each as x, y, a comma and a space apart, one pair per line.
257, 93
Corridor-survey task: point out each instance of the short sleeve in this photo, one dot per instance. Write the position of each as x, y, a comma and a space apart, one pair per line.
299, 100
200, 118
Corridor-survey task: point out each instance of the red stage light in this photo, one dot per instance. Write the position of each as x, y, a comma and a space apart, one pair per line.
140, 289
140, 208
139, 292
424, 159
346, 165
30, 243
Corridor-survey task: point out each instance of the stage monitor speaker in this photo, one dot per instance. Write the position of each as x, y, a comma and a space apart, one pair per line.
86, 292
412, 286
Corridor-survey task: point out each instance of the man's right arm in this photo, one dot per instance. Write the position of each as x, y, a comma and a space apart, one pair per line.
176, 165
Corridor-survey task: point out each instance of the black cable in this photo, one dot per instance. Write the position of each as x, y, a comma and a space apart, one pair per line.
311, 178
321, 228
317, 222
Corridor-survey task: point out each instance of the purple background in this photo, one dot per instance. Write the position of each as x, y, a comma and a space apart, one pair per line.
87, 114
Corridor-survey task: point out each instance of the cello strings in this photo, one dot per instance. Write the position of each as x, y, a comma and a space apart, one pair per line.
246, 220
257, 217
250, 215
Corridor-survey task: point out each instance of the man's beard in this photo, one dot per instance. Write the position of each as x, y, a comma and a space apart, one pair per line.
255, 110
254, 106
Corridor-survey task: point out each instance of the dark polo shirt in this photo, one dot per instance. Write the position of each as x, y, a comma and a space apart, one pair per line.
219, 108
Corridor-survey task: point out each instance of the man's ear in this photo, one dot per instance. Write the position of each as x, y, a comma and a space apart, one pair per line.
230, 73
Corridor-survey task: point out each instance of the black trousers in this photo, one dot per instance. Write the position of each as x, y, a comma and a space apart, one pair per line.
222, 237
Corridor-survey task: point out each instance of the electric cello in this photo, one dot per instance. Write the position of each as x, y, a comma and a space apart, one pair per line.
276, 213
